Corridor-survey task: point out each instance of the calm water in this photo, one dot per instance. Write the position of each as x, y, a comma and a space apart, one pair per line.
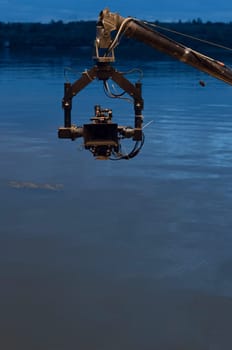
115, 255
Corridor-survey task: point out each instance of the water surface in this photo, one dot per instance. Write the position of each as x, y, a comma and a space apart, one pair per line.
115, 255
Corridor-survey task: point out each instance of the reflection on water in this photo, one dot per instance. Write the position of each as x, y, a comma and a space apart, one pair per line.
125, 255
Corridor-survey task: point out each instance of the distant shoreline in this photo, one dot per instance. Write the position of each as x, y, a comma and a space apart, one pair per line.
80, 36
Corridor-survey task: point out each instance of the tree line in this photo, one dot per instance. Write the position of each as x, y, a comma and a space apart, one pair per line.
80, 35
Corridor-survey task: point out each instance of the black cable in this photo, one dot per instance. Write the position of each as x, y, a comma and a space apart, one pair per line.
133, 153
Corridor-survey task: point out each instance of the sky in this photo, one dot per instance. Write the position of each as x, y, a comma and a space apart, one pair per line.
163, 10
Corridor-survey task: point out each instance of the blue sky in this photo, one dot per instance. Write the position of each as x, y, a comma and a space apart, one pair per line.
165, 10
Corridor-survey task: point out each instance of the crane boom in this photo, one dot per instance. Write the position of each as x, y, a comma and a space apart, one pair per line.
101, 136
135, 29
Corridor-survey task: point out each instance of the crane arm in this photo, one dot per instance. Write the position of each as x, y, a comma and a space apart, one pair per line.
135, 29
103, 137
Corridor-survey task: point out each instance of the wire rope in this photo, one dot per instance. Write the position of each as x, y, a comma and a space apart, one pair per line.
208, 42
